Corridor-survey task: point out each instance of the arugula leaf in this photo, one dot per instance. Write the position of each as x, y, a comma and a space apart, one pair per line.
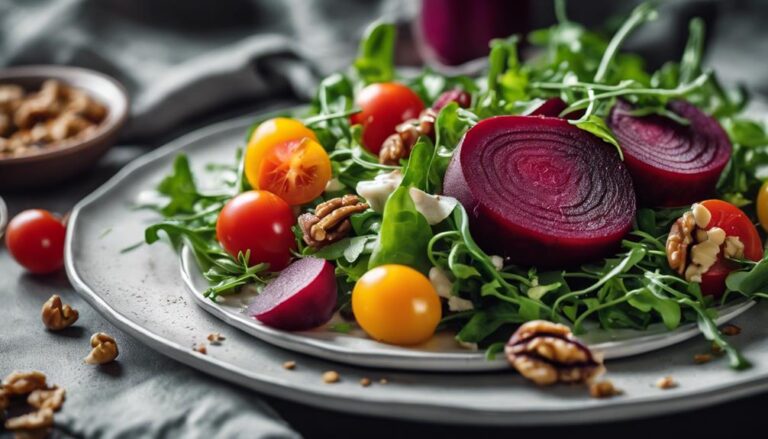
417, 170
750, 282
597, 126
180, 188
375, 61
404, 236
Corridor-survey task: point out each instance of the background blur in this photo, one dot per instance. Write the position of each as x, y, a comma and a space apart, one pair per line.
187, 59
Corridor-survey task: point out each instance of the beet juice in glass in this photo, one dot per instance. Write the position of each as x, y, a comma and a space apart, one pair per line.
453, 32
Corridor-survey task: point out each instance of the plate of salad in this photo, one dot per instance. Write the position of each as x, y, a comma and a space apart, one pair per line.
563, 208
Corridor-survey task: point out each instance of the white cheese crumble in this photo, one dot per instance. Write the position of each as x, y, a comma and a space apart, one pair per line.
377, 191
435, 208
334, 185
444, 288
704, 254
701, 215
497, 261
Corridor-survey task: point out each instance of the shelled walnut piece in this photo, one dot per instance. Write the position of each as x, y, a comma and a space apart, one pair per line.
56, 114
52, 398
547, 353
56, 315
45, 400
399, 145
692, 249
39, 419
104, 349
330, 221
22, 383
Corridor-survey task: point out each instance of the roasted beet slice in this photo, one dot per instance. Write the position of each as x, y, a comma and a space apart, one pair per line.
541, 191
302, 297
671, 164
552, 107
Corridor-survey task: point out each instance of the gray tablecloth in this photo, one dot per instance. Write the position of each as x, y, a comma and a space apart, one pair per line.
184, 61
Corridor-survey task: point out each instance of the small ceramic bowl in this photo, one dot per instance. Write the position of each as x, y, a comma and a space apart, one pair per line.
3, 217
56, 163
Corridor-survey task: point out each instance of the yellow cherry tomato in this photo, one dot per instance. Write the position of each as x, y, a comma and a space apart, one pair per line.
284, 158
396, 304
762, 205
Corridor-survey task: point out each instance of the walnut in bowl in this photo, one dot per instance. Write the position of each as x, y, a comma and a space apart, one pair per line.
55, 121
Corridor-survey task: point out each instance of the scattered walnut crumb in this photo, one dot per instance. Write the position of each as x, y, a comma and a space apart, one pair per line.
47, 399
56, 315
666, 383
730, 330
200, 347
365, 382
702, 358
289, 365
603, 389
42, 418
215, 338
383, 381
331, 377
104, 349
21, 383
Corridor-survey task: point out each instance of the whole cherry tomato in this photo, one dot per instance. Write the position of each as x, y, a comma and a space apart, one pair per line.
384, 106
762, 206
396, 304
735, 223
284, 157
261, 222
35, 238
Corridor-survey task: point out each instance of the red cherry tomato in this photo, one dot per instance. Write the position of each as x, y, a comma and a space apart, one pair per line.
261, 222
35, 238
735, 223
384, 106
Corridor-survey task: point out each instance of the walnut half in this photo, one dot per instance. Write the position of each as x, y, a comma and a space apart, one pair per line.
330, 221
42, 418
47, 398
104, 349
21, 383
57, 316
547, 353
693, 246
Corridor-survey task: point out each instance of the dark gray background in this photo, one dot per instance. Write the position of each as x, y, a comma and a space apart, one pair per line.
190, 63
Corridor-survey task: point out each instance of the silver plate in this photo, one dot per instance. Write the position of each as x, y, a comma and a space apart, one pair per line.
142, 293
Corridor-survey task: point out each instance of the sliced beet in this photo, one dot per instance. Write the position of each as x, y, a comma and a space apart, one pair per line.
541, 191
302, 297
671, 164
552, 107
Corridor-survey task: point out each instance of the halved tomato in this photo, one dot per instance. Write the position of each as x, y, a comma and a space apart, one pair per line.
285, 158
735, 223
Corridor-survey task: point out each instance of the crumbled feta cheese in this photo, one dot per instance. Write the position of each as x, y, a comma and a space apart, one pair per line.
701, 215
334, 185
497, 261
377, 191
456, 303
444, 288
435, 208
440, 281
704, 254
734, 248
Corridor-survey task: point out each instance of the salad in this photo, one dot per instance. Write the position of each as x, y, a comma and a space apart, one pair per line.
571, 186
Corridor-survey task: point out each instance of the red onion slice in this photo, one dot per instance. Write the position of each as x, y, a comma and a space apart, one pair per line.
671, 164
541, 191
